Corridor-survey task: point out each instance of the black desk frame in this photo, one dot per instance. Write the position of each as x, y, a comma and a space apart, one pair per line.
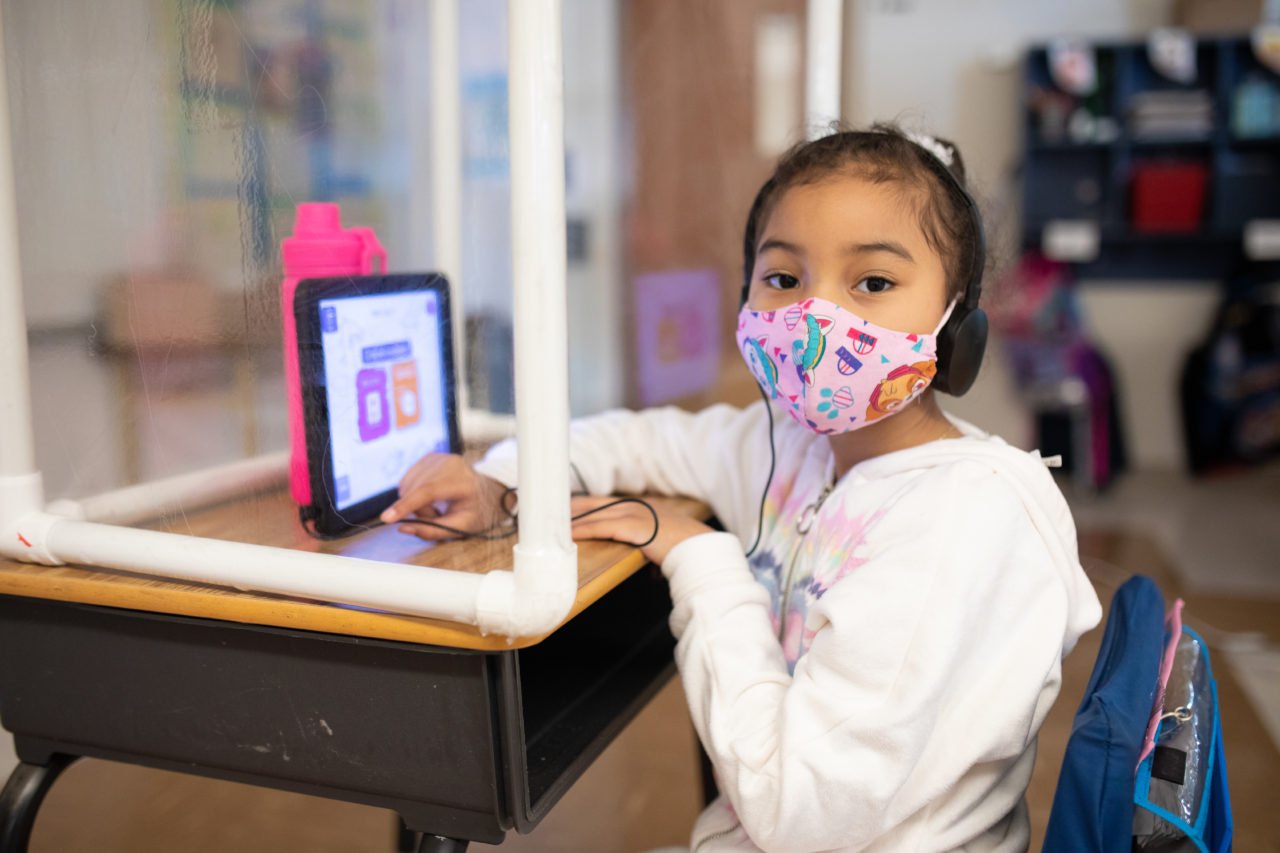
462, 745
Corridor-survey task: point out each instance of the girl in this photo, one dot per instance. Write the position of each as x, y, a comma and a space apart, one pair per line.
871, 647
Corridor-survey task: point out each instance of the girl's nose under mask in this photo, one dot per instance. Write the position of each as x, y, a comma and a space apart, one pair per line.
831, 370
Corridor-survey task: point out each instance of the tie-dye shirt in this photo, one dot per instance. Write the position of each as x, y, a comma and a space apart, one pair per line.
798, 571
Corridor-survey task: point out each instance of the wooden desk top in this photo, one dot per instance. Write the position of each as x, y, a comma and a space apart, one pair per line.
271, 519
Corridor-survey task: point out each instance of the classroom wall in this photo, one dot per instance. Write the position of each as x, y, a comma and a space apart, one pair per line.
85, 120
954, 68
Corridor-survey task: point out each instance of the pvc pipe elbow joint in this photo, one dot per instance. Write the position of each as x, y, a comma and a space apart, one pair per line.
534, 599
24, 526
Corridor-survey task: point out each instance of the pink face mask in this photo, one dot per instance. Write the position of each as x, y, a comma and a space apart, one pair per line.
831, 370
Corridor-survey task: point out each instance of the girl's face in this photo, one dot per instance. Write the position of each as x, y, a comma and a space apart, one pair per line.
854, 243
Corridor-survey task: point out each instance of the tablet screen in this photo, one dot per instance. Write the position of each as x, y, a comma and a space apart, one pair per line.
385, 375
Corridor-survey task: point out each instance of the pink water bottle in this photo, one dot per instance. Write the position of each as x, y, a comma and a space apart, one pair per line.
319, 247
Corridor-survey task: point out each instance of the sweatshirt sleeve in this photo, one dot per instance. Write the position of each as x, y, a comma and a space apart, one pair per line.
932, 666
708, 455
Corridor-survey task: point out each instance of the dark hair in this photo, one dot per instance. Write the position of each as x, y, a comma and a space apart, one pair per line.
882, 154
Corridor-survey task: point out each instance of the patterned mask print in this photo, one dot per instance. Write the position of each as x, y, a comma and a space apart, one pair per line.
831, 370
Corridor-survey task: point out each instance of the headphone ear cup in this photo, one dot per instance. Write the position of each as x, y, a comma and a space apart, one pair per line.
961, 345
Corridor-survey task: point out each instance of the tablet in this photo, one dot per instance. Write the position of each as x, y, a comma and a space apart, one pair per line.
375, 357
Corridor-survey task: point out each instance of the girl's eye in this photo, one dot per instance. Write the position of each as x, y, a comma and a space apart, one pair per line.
874, 284
782, 281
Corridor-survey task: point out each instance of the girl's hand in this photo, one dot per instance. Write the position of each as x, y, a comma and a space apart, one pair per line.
444, 488
633, 524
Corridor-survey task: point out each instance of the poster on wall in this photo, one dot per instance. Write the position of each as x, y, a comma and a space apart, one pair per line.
277, 101
484, 126
677, 333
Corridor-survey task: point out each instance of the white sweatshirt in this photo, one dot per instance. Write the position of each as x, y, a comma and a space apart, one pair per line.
876, 683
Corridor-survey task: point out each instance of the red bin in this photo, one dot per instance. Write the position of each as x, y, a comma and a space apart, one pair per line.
1168, 197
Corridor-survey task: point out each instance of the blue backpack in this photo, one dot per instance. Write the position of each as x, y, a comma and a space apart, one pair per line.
1093, 806
1176, 800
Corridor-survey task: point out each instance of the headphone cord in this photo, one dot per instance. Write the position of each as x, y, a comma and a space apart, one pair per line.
511, 526
768, 481
489, 536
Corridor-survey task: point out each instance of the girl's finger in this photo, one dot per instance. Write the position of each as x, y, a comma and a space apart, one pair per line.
416, 499
429, 511
466, 520
434, 528
600, 508
619, 530
425, 531
579, 505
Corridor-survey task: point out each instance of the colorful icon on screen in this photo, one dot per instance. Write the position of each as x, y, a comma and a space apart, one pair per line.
329, 319
404, 388
371, 400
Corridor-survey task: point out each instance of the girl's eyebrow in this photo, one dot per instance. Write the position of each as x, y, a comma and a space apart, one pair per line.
890, 246
774, 243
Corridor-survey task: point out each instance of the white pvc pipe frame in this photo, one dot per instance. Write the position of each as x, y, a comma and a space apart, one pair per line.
537, 595
824, 39
528, 601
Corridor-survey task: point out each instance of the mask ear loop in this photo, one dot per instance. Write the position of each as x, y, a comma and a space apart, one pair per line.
769, 480
946, 315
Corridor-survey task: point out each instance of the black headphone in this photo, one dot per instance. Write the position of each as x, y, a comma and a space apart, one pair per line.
963, 338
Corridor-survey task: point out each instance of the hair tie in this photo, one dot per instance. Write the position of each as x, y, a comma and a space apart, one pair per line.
942, 153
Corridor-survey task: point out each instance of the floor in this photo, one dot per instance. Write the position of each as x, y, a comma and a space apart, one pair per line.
1214, 543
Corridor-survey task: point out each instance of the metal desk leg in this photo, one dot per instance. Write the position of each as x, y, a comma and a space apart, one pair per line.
436, 844
21, 798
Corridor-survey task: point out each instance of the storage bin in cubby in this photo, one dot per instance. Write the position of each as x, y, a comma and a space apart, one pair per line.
1167, 196
1252, 96
1248, 186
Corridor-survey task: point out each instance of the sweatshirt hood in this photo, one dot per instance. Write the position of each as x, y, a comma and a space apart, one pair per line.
1028, 473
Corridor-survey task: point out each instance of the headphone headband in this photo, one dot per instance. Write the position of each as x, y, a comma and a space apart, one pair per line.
978, 253
930, 147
